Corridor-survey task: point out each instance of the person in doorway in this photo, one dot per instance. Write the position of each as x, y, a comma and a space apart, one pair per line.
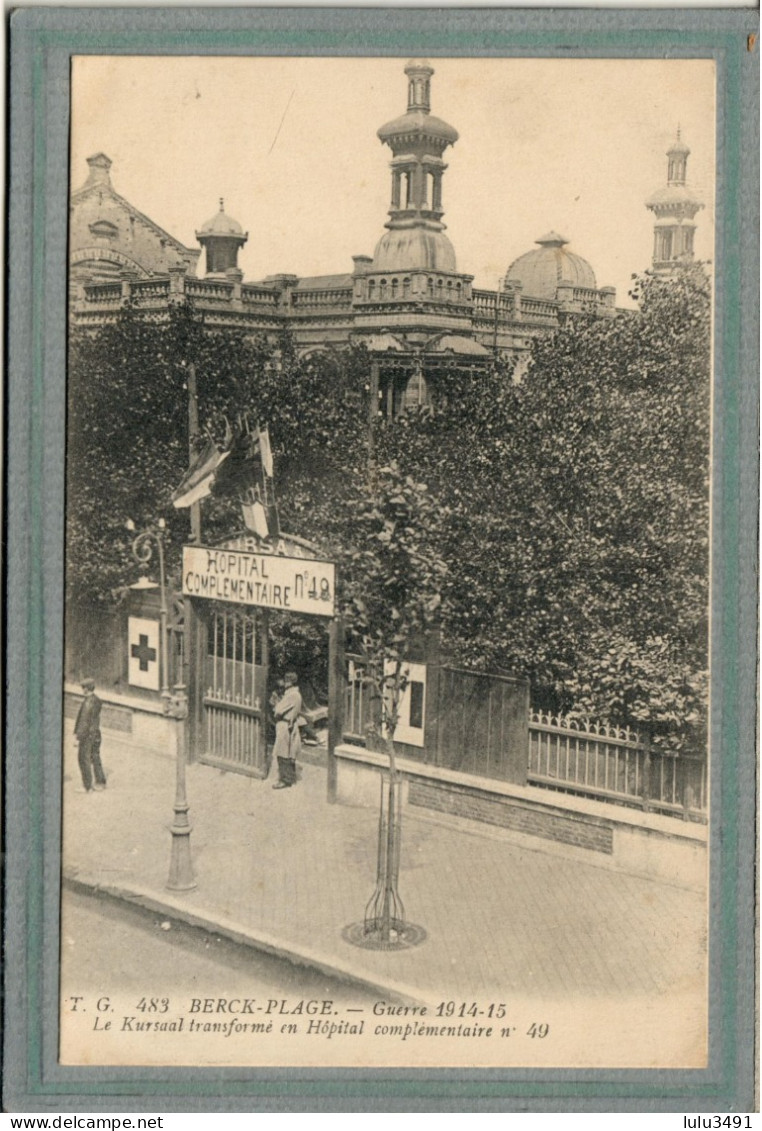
87, 732
288, 745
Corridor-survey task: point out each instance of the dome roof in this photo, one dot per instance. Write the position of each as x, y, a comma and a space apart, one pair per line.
540, 271
670, 195
418, 123
221, 225
405, 249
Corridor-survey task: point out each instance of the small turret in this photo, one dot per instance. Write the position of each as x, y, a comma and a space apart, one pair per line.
221, 237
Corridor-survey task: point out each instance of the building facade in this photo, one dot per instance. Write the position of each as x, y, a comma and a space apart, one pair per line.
409, 302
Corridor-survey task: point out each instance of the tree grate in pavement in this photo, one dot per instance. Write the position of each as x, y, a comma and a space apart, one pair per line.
401, 937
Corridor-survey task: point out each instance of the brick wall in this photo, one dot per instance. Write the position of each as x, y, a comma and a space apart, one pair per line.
508, 813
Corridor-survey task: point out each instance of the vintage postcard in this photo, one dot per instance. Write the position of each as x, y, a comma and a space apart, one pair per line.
391, 678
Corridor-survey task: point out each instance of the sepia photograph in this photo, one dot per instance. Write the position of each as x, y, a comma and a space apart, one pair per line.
381, 634
387, 562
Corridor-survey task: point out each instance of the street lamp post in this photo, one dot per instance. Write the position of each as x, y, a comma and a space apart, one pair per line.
181, 876
175, 706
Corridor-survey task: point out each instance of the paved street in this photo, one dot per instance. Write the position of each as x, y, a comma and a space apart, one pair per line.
208, 960
506, 918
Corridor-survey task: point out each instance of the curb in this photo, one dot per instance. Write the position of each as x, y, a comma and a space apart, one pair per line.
245, 937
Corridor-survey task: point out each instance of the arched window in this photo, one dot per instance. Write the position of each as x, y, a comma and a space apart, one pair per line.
430, 287
416, 392
395, 286
382, 289
371, 289
406, 287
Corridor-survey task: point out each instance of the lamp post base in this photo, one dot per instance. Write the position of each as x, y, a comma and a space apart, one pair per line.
181, 876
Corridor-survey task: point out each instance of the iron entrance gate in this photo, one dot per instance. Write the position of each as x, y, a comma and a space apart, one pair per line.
231, 682
232, 591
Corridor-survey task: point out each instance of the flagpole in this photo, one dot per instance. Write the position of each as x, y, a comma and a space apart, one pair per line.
193, 429
372, 413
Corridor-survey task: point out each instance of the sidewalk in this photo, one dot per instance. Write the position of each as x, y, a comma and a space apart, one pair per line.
285, 872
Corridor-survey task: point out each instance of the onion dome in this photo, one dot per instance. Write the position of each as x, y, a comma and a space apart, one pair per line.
222, 236
539, 272
405, 249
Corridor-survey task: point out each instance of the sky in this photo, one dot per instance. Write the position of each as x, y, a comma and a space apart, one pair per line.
290, 144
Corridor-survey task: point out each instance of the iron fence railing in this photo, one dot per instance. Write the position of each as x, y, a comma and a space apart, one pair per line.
570, 755
615, 764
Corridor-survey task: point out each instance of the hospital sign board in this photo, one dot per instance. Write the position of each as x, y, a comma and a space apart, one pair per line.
270, 581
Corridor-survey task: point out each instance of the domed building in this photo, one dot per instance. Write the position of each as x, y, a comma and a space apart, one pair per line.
408, 303
540, 273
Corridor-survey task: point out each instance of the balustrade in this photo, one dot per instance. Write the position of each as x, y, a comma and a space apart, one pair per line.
103, 293
341, 298
258, 296
149, 288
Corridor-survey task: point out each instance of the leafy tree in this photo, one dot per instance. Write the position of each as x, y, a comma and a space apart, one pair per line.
128, 432
577, 536
393, 578
563, 531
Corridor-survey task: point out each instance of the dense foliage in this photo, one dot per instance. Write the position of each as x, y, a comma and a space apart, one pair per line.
128, 433
578, 530
557, 527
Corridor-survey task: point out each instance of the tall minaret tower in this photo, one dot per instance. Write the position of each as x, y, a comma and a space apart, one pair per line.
675, 205
417, 140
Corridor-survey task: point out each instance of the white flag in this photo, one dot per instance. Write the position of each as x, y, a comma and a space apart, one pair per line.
255, 518
266, 452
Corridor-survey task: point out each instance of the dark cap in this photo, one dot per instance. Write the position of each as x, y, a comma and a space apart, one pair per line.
88, 684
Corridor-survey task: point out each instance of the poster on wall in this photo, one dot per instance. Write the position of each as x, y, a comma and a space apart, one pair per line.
143, 652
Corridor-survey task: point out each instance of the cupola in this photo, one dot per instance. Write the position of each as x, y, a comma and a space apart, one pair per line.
221, 237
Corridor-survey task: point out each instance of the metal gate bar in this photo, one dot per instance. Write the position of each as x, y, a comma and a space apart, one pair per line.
233, 722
